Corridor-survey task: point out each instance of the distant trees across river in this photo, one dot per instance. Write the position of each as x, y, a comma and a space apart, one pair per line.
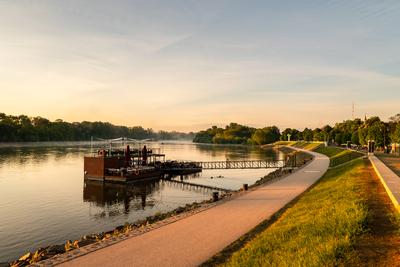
31, 129
355, 131
238, 134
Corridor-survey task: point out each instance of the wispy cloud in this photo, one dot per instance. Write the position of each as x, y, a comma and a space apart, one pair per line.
186, 64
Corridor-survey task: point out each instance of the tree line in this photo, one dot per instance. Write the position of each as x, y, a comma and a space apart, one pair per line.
238, 134
32, 129
356, 131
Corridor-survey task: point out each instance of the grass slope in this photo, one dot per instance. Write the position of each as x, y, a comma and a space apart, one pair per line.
307, 145
318, 230
338, 155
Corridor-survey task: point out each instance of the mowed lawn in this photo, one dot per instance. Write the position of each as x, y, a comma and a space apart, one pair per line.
318, 230
338, 155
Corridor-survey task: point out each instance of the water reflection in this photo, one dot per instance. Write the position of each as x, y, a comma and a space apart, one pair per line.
131, 196
37, 155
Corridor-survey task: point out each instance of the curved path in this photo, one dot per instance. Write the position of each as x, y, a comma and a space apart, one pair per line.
195, 239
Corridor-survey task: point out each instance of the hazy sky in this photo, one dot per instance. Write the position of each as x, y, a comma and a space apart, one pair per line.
187, 65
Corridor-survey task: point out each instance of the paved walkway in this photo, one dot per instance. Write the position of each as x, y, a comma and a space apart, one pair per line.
195, 239
389, 179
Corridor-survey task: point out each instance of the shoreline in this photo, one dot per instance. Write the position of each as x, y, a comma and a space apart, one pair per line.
53, 251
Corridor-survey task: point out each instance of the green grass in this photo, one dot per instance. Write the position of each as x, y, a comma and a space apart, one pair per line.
284, 143
329, 151
338, 155
318, 230
307, 145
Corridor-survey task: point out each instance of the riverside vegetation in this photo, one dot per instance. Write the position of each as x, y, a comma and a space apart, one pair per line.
23, 128
32, 129
356, 131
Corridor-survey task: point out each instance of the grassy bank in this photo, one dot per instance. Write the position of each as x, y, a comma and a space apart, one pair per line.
337, 155
319, 229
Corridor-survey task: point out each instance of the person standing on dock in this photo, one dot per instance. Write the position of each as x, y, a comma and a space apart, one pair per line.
144, 156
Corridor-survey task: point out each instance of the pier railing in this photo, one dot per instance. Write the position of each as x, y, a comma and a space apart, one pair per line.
242, 164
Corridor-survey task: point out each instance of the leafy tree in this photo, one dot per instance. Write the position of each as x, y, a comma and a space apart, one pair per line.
355, 138
294, 134
308, 135
266, 135
396, 134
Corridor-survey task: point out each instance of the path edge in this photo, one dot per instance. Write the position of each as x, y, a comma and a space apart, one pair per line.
374, 160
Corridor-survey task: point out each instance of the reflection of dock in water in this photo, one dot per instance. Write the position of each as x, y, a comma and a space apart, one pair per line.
108, 194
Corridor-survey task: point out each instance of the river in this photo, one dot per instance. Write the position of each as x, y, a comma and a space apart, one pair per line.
44, 199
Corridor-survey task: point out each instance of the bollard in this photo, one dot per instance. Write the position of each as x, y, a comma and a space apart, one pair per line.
245, 187
215, 196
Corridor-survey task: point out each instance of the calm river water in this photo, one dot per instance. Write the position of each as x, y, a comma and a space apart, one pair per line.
44, 200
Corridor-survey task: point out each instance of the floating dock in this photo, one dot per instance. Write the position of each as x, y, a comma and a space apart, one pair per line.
125, 166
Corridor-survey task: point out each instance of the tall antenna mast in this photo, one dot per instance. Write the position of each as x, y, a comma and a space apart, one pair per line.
353, 111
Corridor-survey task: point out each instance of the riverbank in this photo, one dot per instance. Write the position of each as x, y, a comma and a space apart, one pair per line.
127, 229
50, 253
174, 243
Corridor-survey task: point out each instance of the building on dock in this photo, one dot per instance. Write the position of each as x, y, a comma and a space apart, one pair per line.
133, 165
123, 165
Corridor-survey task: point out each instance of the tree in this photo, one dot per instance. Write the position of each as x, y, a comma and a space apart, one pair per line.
378, 132
294, 134
307, 135
355, 138
396, 134
266, 135
395, 118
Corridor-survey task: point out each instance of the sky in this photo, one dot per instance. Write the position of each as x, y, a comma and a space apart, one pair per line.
187, 65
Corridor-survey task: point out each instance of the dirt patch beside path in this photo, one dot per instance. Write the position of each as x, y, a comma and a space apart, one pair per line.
380, 245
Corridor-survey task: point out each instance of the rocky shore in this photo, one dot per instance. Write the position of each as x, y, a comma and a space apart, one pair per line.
53, 250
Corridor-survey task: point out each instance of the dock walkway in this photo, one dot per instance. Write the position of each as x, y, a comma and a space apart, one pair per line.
389, 179
194, 239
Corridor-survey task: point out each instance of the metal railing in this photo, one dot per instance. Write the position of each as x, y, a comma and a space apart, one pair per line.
241, 164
